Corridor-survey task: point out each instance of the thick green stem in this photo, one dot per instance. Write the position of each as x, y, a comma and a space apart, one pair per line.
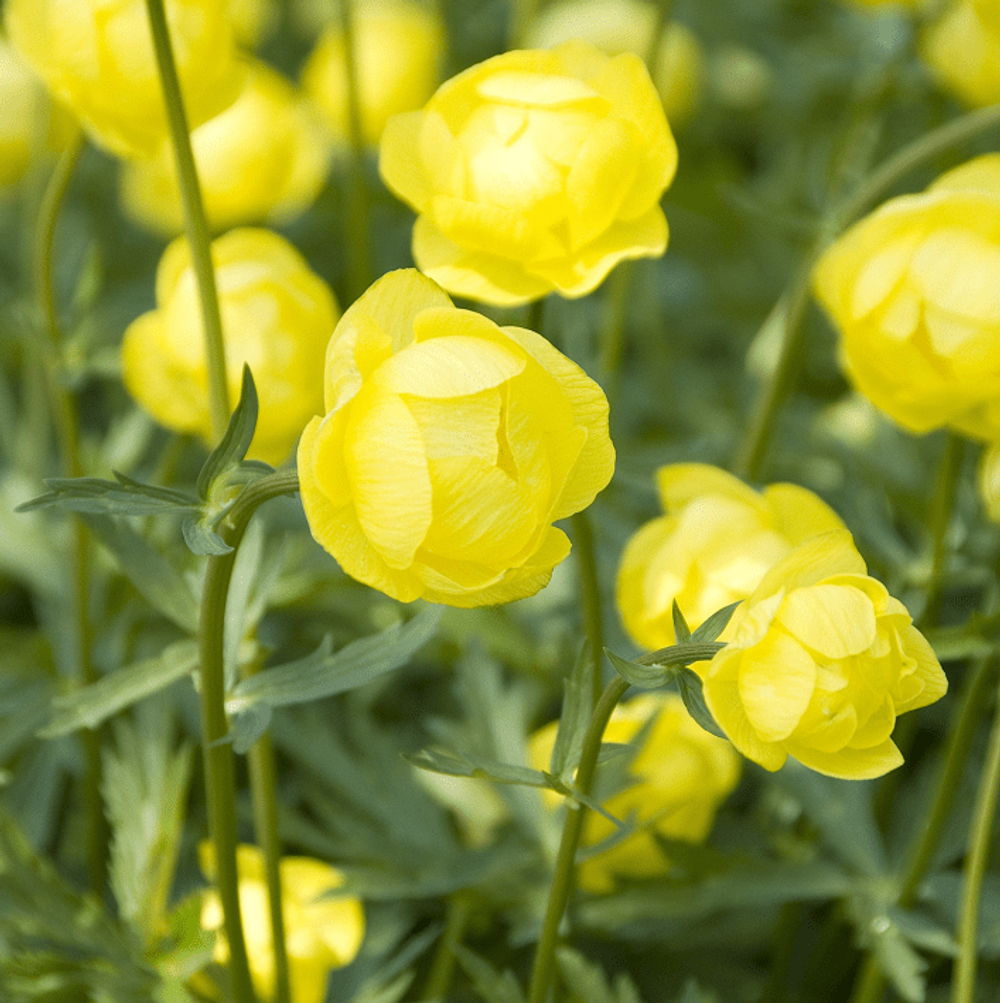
792, 305
562, 879
963, 987
583, 538
358, 249
220, 784
63, 408
263, 786
195, 224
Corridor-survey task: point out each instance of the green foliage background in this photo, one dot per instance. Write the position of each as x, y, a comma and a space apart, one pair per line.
802, 873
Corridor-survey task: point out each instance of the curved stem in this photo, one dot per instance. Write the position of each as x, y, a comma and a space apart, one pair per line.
795, 299
357, 204
562, 879
220, 785
964, 981
195, 224
68, 434
583, 538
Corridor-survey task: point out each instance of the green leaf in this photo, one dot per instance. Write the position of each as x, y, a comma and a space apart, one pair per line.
714, 625
122, 496
476, 766
648, 677
235, 440
491, 985
153, 576
325, 673
690, 688
145, 788
201, 538
587, 982
89, 706
578, 690
898, 961
681, 629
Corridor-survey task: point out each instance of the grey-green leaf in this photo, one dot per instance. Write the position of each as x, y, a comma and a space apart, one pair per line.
690, 688
235, 440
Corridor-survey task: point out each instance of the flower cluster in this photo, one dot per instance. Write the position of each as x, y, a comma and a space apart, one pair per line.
821, 662
713, 546
913, 290
679, 777
448, 449
277, 315
533, 172
323, 930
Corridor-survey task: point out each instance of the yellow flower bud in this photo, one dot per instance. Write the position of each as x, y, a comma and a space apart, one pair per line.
448, 449
262, 159
276, 316
29, 123
913, 290
398, 48
822, 660
322, 931
682, 774
96, 56
616, 26
962, 48
713, 546
533, 172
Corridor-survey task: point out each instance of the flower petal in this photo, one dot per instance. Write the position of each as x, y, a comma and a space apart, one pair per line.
849, 763
777, 678
835, 621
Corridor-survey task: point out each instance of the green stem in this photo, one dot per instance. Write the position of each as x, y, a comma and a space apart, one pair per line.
583, 538
263, 785
613, 340
220, 784
357, 205
67, 426
871, 983
443, 965
795, 299
195, 224
964, 981
946, 485
562, 879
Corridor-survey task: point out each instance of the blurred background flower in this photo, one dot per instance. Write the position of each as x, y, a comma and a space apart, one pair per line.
263, 159
677, 778
277, 315
96, 56
323, 930
962, 49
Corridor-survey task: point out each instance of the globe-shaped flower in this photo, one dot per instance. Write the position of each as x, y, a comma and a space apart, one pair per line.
448, 448
616, 26
713, 546
96, 56
680, 776
534, 172
962, 48
398, 47
262, 159
277, 315
821, 662
323, 931
913, 290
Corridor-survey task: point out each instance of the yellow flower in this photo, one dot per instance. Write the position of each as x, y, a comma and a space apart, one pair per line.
913, 290
252, 20
263, 158
534, 172
449, 447
322, 931
398, 49
711, 549
96, 56
822, 660
682, 774
276, 315
962, 48
29, 124
616, 26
